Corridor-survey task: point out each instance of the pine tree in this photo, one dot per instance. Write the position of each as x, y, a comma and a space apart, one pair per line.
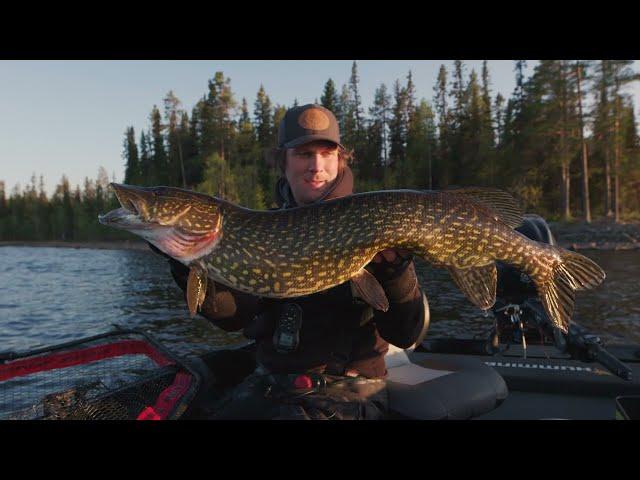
67, 210
487, 118
411, 99
244, 122
421, 146
379, 128
217, 127
355, 100
219, 179
146, 162
397, 126
475, 156
329, 98
3, 200
44, 211
622, 76
194, 159
442, 173
130, 154
159, 172
248, 152
520, 66
459, 117
459, 94
631, 158
586, 206
175, 159
279, 112
269, 171
517, 102
603, 128
217, 130
263, 119
42, 195
564, 93
551, 120
356, 131
344, 116
499, 118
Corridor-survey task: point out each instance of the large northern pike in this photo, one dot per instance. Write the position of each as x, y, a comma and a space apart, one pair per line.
304, 250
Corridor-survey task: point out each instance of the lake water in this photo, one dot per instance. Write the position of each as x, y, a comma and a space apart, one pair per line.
53, 295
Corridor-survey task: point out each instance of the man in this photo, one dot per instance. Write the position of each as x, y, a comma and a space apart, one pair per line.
333, 334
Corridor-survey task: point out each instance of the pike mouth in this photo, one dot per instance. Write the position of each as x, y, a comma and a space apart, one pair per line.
173, 241
132, 214
137, 215
132, 199
128, 204
126, 219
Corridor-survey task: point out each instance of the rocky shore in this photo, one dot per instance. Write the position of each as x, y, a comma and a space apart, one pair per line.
597, 235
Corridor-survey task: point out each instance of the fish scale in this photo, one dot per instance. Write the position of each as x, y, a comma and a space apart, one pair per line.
321, 255
308, 249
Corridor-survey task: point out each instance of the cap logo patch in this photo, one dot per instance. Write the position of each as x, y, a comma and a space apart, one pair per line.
314, 119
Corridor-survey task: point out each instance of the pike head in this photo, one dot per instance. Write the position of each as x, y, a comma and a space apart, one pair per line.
183, 224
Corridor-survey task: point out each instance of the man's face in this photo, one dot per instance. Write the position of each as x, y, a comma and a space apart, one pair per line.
311, 169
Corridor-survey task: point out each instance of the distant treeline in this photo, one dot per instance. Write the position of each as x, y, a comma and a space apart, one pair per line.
565, 144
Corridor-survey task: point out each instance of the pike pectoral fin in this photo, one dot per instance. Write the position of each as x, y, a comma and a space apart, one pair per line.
196, 289
477, 283
369, 289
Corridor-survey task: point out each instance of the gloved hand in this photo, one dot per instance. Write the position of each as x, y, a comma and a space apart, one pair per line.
390, 263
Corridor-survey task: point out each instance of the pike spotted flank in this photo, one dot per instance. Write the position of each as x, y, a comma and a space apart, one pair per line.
304, 250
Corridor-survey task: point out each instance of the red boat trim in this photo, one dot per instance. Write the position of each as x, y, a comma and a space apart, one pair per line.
148, 414
54, 361
167, 400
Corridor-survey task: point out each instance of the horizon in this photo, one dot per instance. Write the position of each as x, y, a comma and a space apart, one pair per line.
76, 123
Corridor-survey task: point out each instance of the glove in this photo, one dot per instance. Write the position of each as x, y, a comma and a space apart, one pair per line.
388, 270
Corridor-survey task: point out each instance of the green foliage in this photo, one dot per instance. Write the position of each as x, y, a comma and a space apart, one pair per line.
329, 98
160, 172
264, 121
528, 144
220, 180
132, 174
67, 216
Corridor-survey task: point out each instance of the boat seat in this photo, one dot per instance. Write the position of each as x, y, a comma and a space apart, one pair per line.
436, 387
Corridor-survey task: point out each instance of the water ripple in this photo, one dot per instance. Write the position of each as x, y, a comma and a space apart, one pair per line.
54, 295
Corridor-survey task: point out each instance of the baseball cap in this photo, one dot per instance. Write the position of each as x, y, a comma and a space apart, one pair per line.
308, 123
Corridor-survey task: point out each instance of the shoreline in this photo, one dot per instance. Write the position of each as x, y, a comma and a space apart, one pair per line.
97, 245
598, 235
601, 234
141, 246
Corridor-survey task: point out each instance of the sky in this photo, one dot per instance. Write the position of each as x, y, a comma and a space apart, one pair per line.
70, 116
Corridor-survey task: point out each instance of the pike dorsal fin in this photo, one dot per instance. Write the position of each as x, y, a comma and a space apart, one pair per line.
501, 203
477, 283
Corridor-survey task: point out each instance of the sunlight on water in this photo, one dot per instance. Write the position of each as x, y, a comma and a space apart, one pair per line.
53, 295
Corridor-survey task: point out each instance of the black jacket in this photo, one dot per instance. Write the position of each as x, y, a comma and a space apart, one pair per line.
339, 332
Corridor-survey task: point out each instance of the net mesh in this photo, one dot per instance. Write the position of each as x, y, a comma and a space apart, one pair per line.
120, 377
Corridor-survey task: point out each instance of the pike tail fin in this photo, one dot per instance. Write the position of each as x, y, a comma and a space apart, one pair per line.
573, 272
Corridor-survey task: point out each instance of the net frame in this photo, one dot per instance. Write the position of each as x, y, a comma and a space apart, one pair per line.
174, 380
